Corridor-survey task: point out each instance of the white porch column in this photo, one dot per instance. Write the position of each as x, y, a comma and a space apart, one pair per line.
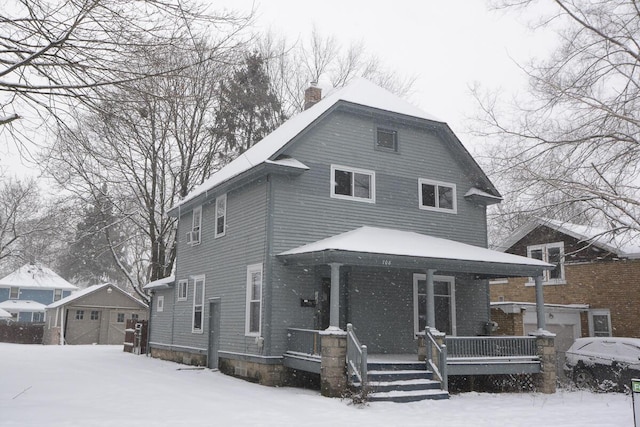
540, 303
431, 305
334, 313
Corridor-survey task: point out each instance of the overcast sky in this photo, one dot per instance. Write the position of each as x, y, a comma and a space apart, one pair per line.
449, 45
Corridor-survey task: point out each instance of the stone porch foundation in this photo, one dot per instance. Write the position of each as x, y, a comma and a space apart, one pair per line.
333, 368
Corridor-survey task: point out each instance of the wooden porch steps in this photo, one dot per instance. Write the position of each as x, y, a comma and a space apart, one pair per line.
402, 382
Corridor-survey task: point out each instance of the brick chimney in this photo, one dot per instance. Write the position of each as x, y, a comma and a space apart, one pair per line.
312, 95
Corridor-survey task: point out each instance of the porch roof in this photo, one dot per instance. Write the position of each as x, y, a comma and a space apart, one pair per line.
383, 247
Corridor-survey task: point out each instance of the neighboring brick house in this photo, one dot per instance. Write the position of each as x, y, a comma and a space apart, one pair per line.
593, 291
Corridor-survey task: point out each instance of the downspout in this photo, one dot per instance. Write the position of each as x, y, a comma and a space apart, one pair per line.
63, 325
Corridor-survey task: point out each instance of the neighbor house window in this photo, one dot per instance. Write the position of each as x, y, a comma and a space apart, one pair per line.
14, 292
221, 215
437, 196
134, 316
182, 290
95, 315
553, 253
193, 236
120, 318
198, 304
354, 184
387, 140
600, 323
254, 300
79, 314
37, 317
57, 294
160, 304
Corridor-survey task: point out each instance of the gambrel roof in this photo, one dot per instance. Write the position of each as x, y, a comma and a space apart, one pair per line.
358, 93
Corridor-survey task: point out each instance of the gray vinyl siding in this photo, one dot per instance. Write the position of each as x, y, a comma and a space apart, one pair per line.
223, 261
348, 140
161, 329
472, 306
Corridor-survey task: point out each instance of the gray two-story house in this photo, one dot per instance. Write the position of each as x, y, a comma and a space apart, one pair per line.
361, 210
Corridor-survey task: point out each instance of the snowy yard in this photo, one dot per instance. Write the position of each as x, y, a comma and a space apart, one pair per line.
103, 386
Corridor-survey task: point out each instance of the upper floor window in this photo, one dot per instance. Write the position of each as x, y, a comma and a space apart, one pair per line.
221, 215
160, 304
198, 304
193, 236
352, 183
553, 253
14, 292
57, 294
387, 140
182, 289
436, 195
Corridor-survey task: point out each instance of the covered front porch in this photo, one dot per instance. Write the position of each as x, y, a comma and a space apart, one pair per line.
405, 295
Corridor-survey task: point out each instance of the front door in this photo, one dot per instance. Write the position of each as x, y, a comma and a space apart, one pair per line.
444, 301
214, 333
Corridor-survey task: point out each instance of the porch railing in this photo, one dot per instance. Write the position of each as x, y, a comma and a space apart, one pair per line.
482, 347
356, 357
304, 341
437, 358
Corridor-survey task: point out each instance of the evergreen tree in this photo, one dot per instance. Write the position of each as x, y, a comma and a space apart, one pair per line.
89, 259
249, 108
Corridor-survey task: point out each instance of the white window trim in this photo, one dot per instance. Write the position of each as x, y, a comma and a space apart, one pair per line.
183, 284
224, 228
436, 184
372, 182
195, 235
599, 312
197, 279
17, 293
545, 257
57, 292
251, 269
452, 288
160, 304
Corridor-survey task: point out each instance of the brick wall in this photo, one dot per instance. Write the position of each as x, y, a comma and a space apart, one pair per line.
508, 323
613, 285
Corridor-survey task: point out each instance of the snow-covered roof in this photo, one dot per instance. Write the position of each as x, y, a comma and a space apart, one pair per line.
16, 305
407, 243
160, 283
625, 244
4, 314
360, 91
36, 276
86, 291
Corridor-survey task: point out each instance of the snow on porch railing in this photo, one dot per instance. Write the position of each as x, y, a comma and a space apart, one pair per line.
356, 357
491, 346
437, 357
304, 341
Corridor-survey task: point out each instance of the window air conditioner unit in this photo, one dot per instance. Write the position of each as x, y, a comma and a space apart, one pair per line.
193, 237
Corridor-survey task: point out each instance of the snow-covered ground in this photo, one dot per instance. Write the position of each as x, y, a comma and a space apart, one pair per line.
103, 386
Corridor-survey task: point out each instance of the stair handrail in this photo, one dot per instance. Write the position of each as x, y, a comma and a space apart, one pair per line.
356, 357
438, 351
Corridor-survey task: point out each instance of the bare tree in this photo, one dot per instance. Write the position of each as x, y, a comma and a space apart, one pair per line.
571, 147
55, 54
30, 227
151, 142
292, 66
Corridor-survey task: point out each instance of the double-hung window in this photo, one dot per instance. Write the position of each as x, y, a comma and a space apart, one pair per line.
553, 253
221, 216
14, 292
254, 300
198, 305
57, 294
193, 236
353, 184
182, 289
160, 304
437, 196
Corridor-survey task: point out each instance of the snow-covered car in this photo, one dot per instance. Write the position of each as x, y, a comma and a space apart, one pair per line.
603, 363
